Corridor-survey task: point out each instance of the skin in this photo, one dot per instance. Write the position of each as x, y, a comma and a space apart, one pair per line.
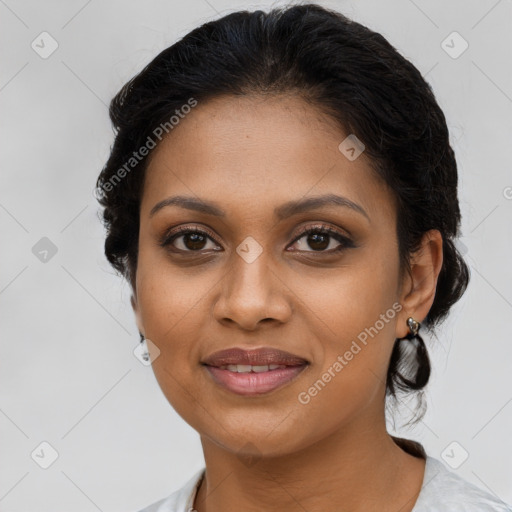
271, 452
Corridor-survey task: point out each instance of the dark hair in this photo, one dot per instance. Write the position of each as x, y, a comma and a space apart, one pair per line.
352, 74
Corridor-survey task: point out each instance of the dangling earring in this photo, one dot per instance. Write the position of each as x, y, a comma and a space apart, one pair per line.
145, 351
420, 357
414, 327
409, 366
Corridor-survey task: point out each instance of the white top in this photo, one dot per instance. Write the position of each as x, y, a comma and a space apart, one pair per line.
441, 490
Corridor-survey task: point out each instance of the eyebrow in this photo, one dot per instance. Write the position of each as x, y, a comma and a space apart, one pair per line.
285, 210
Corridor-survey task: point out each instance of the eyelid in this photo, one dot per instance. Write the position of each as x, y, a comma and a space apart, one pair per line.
321, 228
171, 234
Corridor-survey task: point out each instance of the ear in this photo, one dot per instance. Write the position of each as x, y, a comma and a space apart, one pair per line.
138, 316
419, 286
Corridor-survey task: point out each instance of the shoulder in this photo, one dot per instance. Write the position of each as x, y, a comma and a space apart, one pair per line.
180, 500
443, 489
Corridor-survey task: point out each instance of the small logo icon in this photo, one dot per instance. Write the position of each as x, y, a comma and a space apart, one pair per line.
454, 455
454, 45
44, 455
146, 352
44, 250
251, 458
44, 45
249, 249
351, 147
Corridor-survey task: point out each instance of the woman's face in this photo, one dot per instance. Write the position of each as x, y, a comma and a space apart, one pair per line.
252, 279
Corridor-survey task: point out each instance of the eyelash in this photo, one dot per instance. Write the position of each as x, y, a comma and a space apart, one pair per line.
167, 239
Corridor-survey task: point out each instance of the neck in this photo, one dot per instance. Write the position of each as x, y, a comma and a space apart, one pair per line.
361, 468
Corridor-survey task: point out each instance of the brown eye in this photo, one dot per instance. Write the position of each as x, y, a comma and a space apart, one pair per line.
322, 239
189, 240
194, 241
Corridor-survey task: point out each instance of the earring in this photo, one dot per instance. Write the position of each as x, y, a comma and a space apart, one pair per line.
414, 327
420, 359
410, 364
145, 351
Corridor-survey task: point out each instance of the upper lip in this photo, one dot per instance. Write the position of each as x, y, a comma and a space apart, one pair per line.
254, 357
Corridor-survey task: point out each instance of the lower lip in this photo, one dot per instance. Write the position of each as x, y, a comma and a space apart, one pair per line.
252, 383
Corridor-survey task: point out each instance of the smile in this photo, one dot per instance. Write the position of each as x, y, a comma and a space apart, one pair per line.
253, 380
245, 368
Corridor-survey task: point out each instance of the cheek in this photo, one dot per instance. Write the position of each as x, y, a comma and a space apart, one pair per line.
351, 378
352, 313
340, 303
174, 311
171, 297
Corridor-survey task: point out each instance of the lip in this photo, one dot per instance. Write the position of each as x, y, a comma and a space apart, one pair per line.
258, 356
253, 383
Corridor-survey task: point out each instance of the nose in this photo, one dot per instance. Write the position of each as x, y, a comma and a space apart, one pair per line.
252, 294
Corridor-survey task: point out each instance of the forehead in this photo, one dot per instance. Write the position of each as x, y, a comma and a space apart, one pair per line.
255, 150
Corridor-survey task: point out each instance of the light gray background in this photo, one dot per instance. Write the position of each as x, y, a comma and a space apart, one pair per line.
68, 374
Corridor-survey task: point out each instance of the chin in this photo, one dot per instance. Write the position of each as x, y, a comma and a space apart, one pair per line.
252, 439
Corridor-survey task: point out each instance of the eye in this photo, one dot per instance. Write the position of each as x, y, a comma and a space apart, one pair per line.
189, 240
320, 238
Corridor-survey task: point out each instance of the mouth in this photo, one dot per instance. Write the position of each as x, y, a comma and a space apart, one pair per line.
255, 371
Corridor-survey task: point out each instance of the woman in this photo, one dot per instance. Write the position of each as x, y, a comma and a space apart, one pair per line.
282, 197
